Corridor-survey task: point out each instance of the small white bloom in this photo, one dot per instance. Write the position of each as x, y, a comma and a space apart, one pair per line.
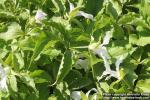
118, 62
40, 15
86, 15
93, 89
75, 95
102, 52
80, 13
107, 38
71, 6
3, 78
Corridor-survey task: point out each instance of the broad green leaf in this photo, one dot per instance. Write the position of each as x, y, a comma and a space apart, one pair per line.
38, 48
94, 6
133, 38
65, 66
137, 55
40, 76
142, 40
43, 91
83, 96
111, 10
80, 83
118, 32
13, 83
62, 91
72, 76
52, 98
52, 53
80, 2
144, 85
74, 12
14, 31
59, 5
2, 1
144, 8
102, 21
117, 5
29, 82
6, 15
127, 18
27, 43
105, 86
20, 60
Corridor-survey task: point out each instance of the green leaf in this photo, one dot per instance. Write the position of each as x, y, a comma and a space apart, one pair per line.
83, 96
137, 55
142, 40
72, 76
29, 82
102, 21
27, 44
112, 11
65, 66
40, 76
127, 18
80, 83
74, 12
62, 91
14, 31
41, 43
13, 83
43, 91
144, 85
105, 86
20, 60
59, 5
117, 5
2, 1
52, 53
118, 32
144, 8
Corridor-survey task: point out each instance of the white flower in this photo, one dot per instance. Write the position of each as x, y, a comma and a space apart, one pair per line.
3, 78
93, 89
80, 13
85, 15
101, 51
40, 15
71, 6
75, 95
118, 62
107, 37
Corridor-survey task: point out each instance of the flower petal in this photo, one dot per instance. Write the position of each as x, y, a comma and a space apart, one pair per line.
107, 38
75, 95
118, 62
3, 85
86, 15
102, 52
93, 89
71, 6
40, 15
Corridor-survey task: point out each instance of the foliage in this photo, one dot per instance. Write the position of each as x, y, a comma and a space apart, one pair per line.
65, 49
